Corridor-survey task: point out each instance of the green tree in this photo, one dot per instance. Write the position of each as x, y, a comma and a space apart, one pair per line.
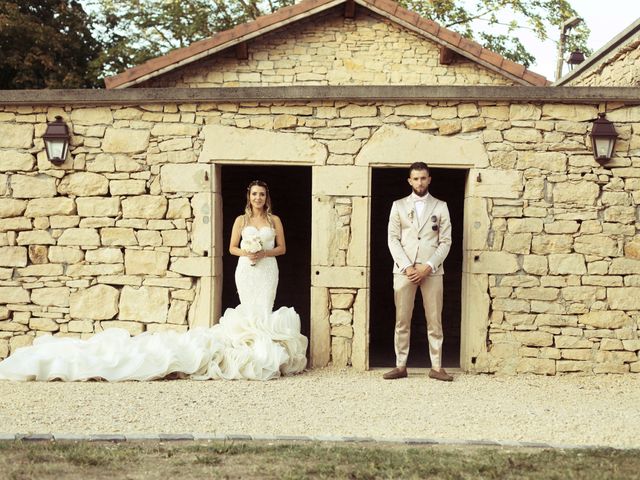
133, 31
46, 44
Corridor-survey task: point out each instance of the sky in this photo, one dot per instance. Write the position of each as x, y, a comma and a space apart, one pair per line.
605, 18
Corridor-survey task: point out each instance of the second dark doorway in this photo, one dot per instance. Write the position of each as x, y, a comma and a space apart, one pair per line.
387, 185
290, 189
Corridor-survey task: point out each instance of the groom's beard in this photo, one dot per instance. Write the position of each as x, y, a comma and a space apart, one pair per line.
421, 193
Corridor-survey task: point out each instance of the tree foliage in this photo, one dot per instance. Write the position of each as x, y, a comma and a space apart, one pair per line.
46, 44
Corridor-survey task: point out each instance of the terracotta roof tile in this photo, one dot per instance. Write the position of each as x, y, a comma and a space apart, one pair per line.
466, 47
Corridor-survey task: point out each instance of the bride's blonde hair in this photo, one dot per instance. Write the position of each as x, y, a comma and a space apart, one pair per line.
248, 212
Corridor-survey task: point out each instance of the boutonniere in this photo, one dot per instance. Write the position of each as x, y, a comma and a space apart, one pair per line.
411, 215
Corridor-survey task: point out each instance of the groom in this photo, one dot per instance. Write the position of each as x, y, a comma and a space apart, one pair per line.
419, 241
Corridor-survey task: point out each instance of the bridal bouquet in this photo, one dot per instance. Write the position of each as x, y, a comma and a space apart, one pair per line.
251, 244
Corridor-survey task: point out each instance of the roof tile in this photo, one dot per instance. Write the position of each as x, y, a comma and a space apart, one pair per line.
449, 36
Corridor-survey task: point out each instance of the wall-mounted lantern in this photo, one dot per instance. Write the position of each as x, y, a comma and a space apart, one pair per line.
603, 139
575, 59
56, 141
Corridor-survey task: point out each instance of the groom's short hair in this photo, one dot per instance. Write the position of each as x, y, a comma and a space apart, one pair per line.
418, 166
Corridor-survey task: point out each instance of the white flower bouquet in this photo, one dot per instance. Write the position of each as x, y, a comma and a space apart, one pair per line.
251, 244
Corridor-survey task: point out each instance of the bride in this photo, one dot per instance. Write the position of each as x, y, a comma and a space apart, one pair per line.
250, 342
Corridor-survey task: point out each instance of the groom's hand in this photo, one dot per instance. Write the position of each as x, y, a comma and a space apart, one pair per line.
418, 272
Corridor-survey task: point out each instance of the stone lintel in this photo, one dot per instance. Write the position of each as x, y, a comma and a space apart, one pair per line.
367, 93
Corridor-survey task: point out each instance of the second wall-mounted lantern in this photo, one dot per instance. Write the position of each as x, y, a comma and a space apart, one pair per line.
603, 139
56, 141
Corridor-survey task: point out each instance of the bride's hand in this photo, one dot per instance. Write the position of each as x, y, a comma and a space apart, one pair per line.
257, 256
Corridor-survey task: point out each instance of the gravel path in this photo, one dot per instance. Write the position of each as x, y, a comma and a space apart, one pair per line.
563, 410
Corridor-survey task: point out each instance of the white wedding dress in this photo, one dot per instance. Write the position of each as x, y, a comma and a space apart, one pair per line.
250, 342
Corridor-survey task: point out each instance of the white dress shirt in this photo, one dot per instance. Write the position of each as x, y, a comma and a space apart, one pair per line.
419, 204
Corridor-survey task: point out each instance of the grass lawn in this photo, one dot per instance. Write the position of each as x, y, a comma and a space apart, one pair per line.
247, 460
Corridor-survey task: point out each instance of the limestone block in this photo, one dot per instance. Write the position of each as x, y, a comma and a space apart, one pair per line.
570, 341
145, 262
178, 312
340, 317
144, 304
104, 255
175, 238
550, 161
54, 296
624, 114
585, 294
333, 133
3, 184
12, 160
13, 257
340, 351
611, 344
92, 116
360, 343
562, 226
551, 244
43, 324
358, 252
567, 264
535, 264
98, 206
414, 110
127, 187
125, 140
144, 206
620, 214
392, 145
536, 293
14, 295
58, 221
205, 309
80, 236
193, 266
16, 135
149, 238
185, 178
38, 254
632, 345
120, 280
615, 357
579, 193
24, 186
476, 223
206, 207
540, 366
339, 277
80, 326
10, 207
525, 111
231, 143
345, 331
320, 338
178, 208
134, 328
574, 113
174, 130
65, 255
352, 111
94, 270
625, 266
606, 319
118, 237
84, 184
517, 243
625, 298
491, 262
344, 147
184, 156
43, 270
341, 300
495, 183
340, 180
524, 225
324, 237
35, 237
176, 144
99, 302
600, 245
522, 135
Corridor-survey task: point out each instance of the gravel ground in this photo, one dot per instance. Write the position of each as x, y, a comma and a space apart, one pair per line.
562, 410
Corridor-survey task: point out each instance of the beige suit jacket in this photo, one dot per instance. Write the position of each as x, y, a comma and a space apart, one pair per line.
419, 240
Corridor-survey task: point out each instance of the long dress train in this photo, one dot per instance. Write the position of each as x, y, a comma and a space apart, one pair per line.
251, 341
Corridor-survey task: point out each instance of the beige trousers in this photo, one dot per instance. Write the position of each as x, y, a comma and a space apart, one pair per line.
404, 296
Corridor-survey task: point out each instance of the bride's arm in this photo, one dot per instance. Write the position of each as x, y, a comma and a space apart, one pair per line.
281, 246
236, 235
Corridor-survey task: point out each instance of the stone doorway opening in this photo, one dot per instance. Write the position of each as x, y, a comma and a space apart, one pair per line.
290, 189
387, 185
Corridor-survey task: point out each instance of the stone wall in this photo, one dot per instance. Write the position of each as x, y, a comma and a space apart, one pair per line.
330, 49
621, 70
114, 237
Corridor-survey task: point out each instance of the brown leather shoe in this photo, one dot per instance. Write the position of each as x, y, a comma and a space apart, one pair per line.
398, 372
440, 375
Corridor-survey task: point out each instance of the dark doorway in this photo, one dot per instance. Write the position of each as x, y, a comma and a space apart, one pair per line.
387, 185
290, 189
